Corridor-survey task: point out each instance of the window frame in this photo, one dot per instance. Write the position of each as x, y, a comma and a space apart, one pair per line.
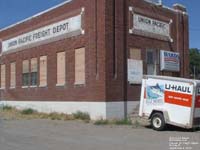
34, 72
64, 68
26, 73
4, 87
46, 71
15, 77
77, 53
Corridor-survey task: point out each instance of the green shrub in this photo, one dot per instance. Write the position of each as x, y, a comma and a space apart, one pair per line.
7, 107
55, 116
123, 122
28, 111
113, 122
101, 122
81, 115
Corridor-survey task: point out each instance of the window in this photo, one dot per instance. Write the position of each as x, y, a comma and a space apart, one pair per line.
12, 75
34, 72
152, 60
61, 68
25, 73
3, 76
135, 54
80, 66
150, 57
43, 71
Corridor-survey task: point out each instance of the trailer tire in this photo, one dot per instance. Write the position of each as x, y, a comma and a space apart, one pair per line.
158, 122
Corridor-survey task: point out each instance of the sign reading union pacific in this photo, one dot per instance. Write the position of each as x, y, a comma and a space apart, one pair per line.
62, 28
150, 25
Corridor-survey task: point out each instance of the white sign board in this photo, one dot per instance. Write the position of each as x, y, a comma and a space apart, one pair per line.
150, 25
47, 32
169, 61
135, 71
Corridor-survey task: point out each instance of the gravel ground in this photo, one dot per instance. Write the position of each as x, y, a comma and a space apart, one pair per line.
77, 135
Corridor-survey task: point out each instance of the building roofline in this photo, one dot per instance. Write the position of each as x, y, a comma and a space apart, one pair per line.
166, 7
181, 5
61, 4
36, 15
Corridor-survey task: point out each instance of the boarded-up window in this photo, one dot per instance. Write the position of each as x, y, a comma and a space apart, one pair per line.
135, 54
43, 71
34, 71
13, 75
80, 66
3, 76
25, 73
61, 68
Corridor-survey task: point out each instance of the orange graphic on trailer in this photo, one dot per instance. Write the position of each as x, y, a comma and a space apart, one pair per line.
178, 95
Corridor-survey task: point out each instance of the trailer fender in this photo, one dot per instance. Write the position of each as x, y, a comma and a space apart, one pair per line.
164, 112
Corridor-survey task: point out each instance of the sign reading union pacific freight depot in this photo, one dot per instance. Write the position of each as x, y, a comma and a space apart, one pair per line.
62, 28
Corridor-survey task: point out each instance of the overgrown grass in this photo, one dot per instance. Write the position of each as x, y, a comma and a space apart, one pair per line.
136, 123
123, 122
101, 122
59, 116
28, 111
81, 115
7, 108
113, 122
12, 113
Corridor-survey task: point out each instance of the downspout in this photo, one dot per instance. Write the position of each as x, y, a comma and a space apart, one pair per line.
183, 44
96, 38
114, 42
125, 60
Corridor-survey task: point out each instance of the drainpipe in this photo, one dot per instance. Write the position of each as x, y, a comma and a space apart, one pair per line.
125, 59
181, 10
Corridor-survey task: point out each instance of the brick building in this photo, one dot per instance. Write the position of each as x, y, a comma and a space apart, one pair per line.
90, 55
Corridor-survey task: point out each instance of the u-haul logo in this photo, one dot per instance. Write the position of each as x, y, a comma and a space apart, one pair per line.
178, 94
178, 88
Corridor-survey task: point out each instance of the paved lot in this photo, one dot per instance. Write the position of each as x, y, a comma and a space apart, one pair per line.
75, 135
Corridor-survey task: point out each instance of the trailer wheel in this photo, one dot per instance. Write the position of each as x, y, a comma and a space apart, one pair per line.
158, 122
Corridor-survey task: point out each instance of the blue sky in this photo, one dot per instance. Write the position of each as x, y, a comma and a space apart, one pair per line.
12, 11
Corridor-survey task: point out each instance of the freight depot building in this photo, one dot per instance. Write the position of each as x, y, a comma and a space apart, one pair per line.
90, 55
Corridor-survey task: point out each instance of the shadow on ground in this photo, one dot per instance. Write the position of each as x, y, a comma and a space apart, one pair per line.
176, 129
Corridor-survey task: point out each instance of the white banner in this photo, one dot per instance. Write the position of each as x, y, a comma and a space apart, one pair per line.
135, 71
169, 61
47, 32
150, 25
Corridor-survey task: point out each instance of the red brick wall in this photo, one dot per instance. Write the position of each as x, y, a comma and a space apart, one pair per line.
94, 90
124, 41
107, 42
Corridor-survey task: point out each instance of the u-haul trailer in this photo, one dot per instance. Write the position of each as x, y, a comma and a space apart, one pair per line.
170, 100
